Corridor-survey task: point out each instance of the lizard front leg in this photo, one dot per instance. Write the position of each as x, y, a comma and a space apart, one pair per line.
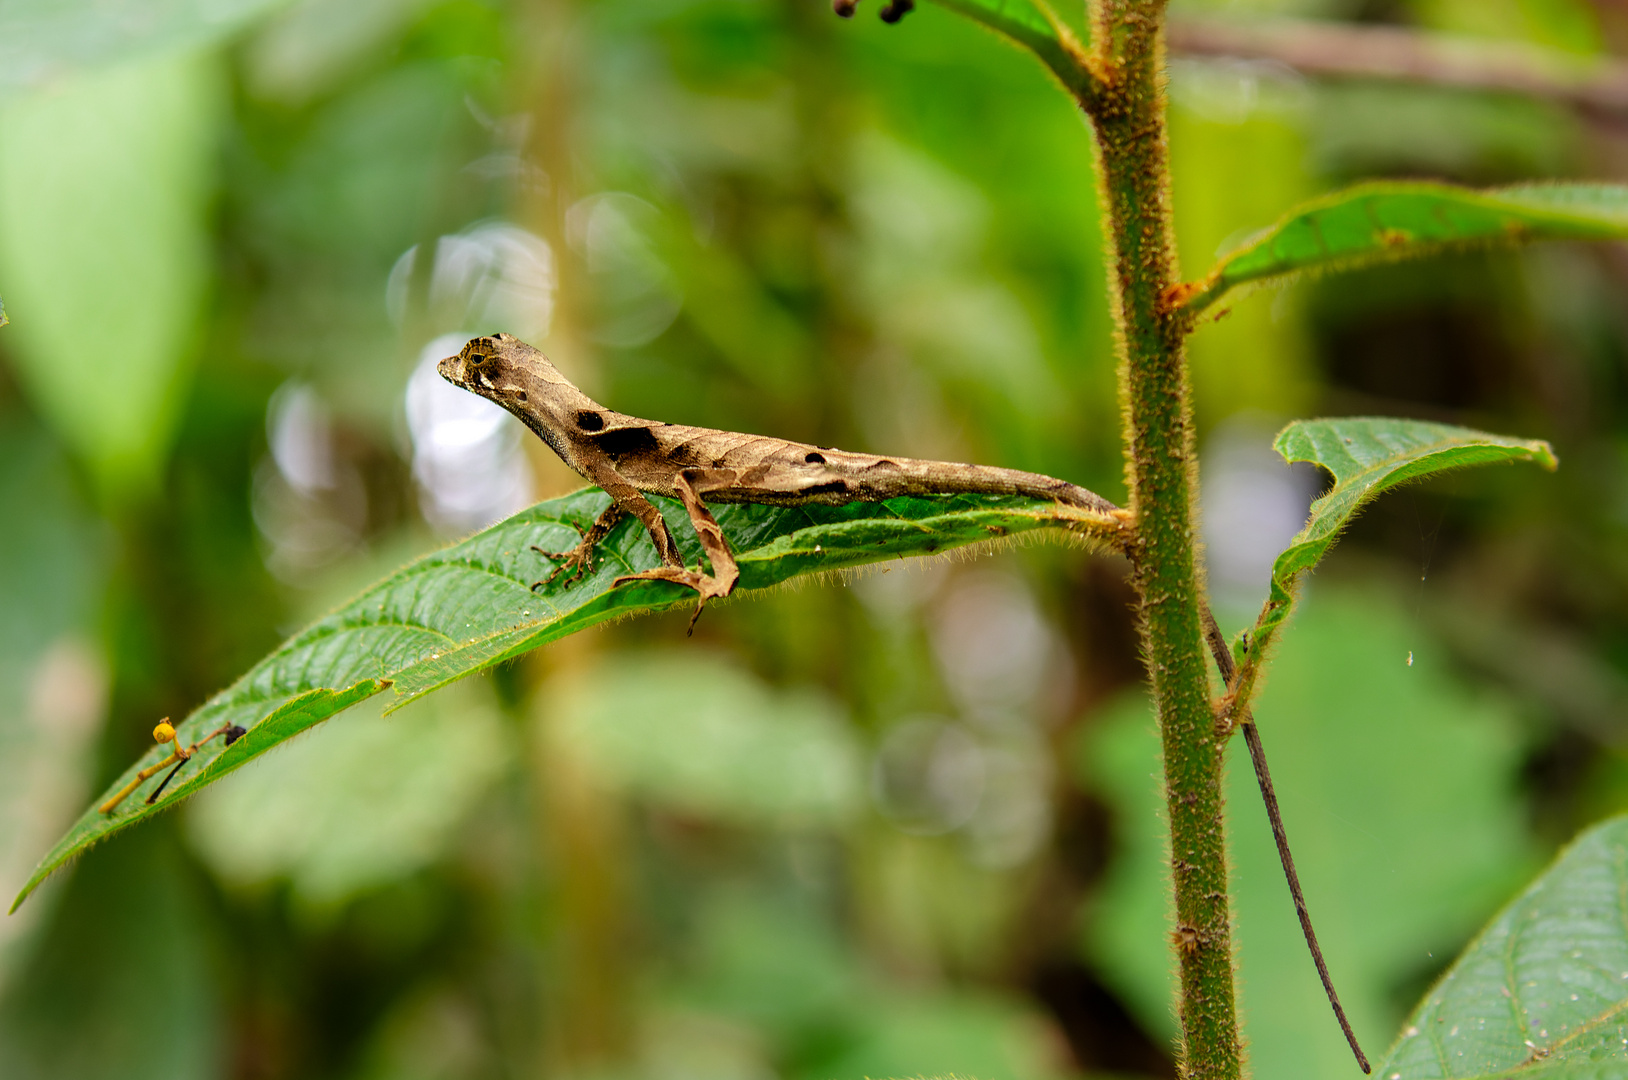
725, 573
626, 501
580, 559
634, 504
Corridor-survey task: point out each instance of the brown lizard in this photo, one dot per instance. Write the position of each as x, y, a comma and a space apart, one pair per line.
631, 458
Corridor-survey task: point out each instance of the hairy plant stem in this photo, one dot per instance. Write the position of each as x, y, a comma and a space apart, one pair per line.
1127, 114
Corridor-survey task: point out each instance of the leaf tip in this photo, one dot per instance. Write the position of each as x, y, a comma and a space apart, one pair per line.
35, 880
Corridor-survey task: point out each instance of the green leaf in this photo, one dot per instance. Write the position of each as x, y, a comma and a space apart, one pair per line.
1033, 25
1368, 455
1378, 222
469, 606
1543, 992
42, 40
105, 185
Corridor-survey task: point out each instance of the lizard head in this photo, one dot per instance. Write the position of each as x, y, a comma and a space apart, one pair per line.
482, 365
504, 369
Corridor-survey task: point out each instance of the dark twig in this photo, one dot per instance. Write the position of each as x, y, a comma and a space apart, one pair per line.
1263, 776
164, 783
1257, 754
1344, 50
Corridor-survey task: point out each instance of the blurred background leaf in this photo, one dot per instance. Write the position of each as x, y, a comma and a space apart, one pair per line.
53, 674
121, 985
696, 736
312, 818
104, 188
42, 41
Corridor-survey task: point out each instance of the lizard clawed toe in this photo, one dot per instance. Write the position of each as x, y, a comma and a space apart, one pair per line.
709, 588
576, 562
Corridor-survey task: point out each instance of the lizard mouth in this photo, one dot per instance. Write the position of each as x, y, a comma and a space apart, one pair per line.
452, 369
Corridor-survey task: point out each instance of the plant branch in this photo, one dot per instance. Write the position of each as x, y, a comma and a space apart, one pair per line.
1263, 777
1343, 50
1241, 686
1131, 143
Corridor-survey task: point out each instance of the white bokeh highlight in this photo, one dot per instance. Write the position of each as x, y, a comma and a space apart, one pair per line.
310, 505
467, 457
492, 276
1253, 504
637, 293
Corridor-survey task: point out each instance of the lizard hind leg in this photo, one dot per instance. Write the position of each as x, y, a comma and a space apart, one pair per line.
725, 573
580, 559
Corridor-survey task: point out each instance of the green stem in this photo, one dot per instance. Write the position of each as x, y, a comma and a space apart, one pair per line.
1129, 121
1241, 690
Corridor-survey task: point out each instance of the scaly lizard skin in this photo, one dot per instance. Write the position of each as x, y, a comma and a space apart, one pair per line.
629, 458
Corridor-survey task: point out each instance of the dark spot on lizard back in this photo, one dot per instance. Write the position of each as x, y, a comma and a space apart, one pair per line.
815, 458
624, 441
588, 420
827, 488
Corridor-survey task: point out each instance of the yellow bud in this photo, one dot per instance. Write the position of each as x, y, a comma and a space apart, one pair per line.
164, 732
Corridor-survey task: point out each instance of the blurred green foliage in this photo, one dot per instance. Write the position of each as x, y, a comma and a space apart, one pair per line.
847, 830
104, 187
